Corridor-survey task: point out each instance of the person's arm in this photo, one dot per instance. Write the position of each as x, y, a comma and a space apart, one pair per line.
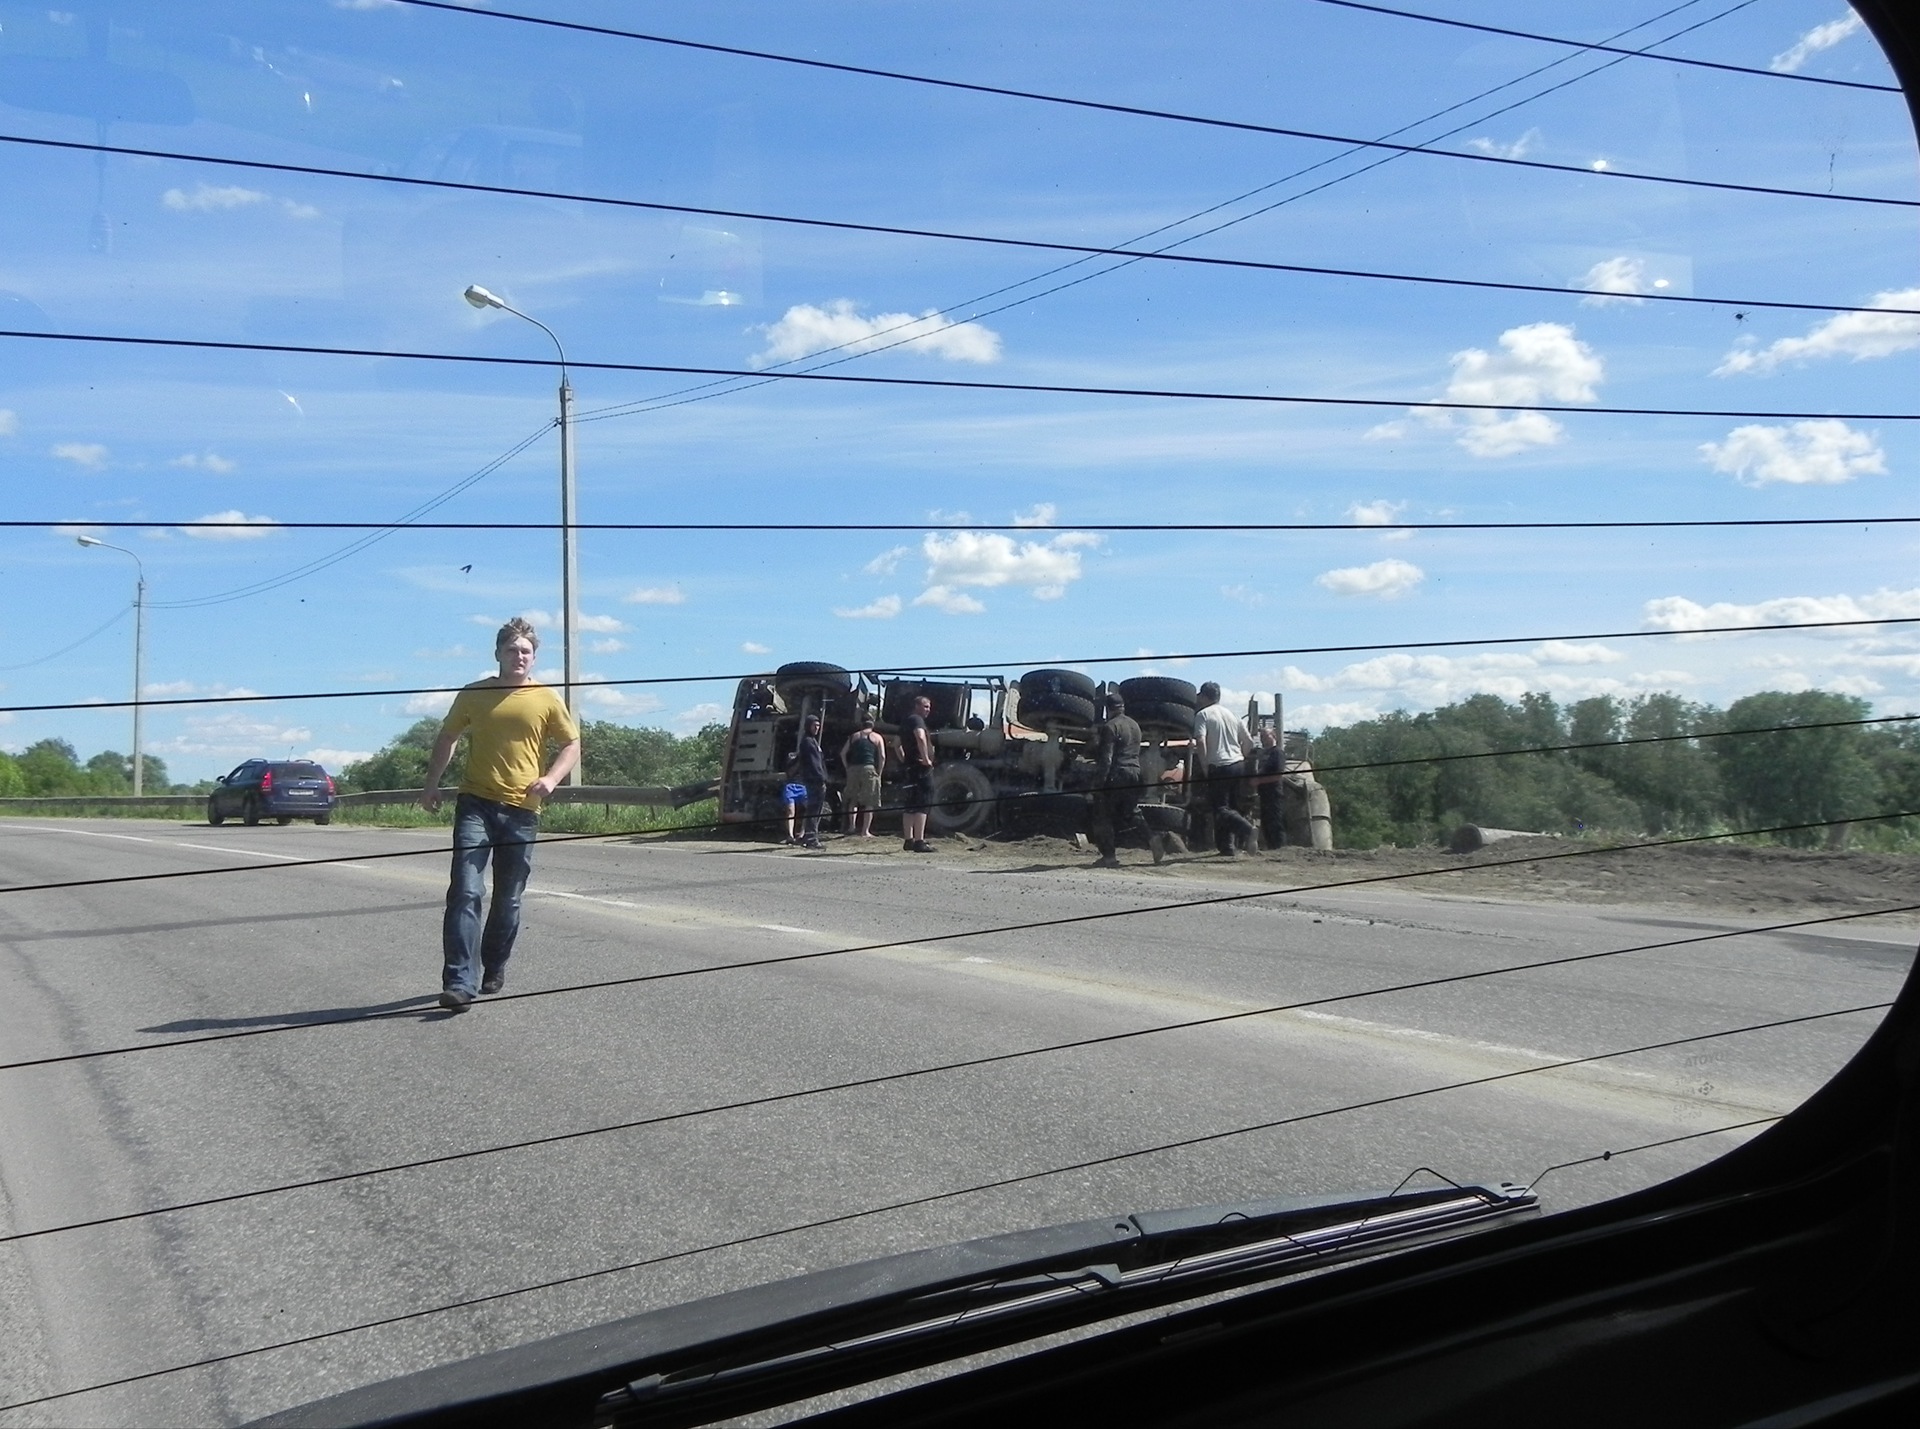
437, 765
924, 745
847, 749
541, 789
879, 756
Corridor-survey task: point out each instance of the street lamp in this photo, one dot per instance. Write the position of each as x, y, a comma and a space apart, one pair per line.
139, 649
479, 297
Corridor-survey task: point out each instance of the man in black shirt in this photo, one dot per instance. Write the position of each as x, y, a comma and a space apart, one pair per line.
810, 769
916, 778
1116, 764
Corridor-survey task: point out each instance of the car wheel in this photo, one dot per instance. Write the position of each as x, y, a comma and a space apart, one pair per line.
250, 811
284, 819
323, 818
214, 816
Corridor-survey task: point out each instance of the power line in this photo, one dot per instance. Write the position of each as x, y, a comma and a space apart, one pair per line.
98, 630
1652, 1145
1585, 45
1134, 110
958, 384
968, 1064
973, 665
933, 1198
749, 964
999, 241
1255, 527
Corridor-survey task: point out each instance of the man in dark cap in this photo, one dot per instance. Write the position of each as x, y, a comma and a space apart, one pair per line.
1116, 762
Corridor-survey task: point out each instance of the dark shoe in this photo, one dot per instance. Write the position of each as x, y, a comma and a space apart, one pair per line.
1107, 860
922, 846
492, 983
811, 843
455, 1001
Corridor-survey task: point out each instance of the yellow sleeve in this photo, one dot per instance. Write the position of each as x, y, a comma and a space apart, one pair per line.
561, 726
459, 716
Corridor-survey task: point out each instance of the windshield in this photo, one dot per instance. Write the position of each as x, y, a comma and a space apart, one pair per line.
1503, 414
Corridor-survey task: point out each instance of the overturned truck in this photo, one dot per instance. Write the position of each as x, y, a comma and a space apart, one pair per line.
1010, 757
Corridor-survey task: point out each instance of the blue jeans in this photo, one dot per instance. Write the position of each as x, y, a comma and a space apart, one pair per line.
483, 829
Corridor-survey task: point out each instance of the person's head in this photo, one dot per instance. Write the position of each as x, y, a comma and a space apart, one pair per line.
922, 706
812, 726
1209, 694
1116, 704
866, 721
514, 647
1267, 736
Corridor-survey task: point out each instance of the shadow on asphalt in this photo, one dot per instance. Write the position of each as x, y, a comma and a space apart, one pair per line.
428, 1003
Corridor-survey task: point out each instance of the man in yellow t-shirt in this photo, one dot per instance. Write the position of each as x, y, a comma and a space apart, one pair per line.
509, 720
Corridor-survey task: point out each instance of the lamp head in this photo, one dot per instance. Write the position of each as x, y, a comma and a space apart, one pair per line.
90, 540
481, 298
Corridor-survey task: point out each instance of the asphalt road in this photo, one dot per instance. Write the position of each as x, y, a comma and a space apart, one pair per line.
279, 948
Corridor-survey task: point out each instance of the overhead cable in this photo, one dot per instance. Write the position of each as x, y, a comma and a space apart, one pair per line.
1587, 45
937, 1197
974, 665
957, 384
1652, 1145
1026, 527
939, 1069
748, 964
1000, 91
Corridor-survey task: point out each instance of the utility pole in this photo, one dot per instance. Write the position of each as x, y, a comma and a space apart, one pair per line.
569, 569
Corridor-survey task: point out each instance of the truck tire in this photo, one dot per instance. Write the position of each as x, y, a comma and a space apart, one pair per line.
1064, 813
804, 675
1070, 711
1157, 690
1055, 682
1157, 717
963, 800
1164, 818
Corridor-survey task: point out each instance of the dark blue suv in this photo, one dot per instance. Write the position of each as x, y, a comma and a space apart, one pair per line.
279, 789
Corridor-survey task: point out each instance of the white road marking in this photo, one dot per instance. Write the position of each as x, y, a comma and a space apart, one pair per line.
586, 898
788, 928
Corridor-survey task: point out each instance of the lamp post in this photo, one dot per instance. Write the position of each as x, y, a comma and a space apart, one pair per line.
139, 650
479, 297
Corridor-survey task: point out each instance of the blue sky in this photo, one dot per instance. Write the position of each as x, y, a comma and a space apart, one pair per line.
166, 248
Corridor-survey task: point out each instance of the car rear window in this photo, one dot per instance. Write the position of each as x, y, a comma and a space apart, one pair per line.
304, 769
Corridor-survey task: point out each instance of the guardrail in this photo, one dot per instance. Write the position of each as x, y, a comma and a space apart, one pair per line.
658, 796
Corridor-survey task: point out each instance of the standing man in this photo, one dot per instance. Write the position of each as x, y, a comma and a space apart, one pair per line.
916, 783
1116, 764
1221, 749
509, 719
810, 770
1270, 771
864, 757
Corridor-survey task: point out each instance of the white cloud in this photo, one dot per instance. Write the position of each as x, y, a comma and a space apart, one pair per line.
88, 456
1040, 514
541, 620
656, 595
1614, 280
219, 198
1566, 652
205, 461
1823, 452
1860, 336
1517, 149
1405, 680
253, 529
1243, 595
689, 720
614, 700
885, 608
233, 735
607, 647
990, 559
887, 562
943, 517
9, 422
1536, 362
1386, 580
1820, 37
365, 4
1375, 513
806, 330
1674, 612
431, 703
754, 647
337, 759
946, 598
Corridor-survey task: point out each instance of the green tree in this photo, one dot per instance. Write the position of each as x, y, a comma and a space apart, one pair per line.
13, 784
1791, 776
51, 768
403, 763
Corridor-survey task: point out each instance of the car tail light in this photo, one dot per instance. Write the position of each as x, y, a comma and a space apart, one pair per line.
266, 782
329, 783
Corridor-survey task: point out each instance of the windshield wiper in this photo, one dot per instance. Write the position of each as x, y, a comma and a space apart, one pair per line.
793, 1339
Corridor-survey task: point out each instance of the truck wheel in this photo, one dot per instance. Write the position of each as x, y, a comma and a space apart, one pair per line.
214, 816
1055, 682
250, 811
1156, 717
963, 800
1071, 711
801, 676
1157, 690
